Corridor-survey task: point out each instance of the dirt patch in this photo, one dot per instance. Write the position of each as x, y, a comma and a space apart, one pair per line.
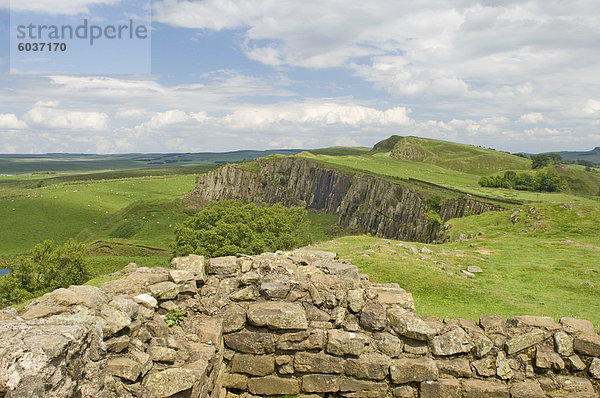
105, 248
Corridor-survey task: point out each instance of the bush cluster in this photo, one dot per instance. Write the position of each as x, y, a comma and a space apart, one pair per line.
541, 181
45, 268
230, 227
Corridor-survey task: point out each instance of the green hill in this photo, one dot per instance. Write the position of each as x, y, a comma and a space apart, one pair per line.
589, 156
459, 157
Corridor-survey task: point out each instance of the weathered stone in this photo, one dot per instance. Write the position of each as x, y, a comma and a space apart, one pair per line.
88, 296
406, 324
304, 340
455, 341
315, 314
164, 290
415, 347
355, 300
587, 343
458, 367
192, 263
563, 343
235, 319
235, 381
493, 324
575, 326
404, 392
537, 322
546, 358
223, 266
523, 341
407, 370
169, 382
527, 389
127, 306
124, 368
251, 342
181, 276
255, 365
113, 320
441, 388
162, 354
503, 368
391, 295
485, 367
308, 362
42, 311
146, 300
388, 344
478, 388
341, 342
368, 366
320, 383
346, 270
274, 289
573, 362
570, 386
594, 369
277, 315
273, 385
143, 359
373, 316
363, 386
249, 293
117, 344
474, 269
249, 278
482, 345
338, 315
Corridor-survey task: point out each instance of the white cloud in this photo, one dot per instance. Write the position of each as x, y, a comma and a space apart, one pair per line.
532, 118
171, 117
45, 115
592, 106
10, 121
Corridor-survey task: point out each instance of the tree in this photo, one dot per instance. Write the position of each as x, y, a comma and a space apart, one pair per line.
540, 161
45, 268
231, 227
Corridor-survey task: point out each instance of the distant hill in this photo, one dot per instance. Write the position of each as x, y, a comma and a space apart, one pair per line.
68, 162
590, 156
450, 155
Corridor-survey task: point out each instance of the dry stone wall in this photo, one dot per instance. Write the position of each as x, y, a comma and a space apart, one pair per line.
299, 323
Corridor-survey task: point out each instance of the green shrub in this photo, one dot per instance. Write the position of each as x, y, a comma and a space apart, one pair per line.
45, 268
434, 217
175, 317
231, 227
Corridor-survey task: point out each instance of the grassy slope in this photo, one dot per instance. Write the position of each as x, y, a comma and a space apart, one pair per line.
548, 263
459, 157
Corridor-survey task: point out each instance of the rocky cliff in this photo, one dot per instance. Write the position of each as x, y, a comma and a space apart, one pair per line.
383, 207
299, 323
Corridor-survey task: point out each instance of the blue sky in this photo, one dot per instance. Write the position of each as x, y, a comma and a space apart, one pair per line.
223, 75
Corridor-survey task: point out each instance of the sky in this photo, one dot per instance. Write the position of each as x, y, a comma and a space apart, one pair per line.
221, 75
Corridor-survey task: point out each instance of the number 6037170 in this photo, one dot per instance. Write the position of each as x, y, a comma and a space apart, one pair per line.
50, 47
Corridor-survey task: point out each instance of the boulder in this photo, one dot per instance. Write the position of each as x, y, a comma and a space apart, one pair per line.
124, 368
373, 316
308, 362
254, 365
526, 340
441, 388
587, 343
273, 385
576, 326
546, 358
455, 341
320, 383
368, 366
223, 266
407, 324
388, 344
341, 342
250, 342
192, 263
277, 315
408, 370
563, 344
169, 382
537, 322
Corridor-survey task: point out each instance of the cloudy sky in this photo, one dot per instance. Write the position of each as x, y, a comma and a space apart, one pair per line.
261, 74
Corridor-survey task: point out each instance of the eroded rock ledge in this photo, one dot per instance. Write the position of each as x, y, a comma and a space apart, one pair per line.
295, 323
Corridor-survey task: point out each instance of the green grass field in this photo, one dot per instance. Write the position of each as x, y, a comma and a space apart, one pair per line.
546, 264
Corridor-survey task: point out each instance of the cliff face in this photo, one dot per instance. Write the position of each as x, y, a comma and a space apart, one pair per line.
374, 204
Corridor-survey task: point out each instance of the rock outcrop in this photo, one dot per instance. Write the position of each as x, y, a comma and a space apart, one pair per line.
288, 323
384, 207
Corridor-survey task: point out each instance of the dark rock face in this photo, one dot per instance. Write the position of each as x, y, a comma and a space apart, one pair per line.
371, 204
